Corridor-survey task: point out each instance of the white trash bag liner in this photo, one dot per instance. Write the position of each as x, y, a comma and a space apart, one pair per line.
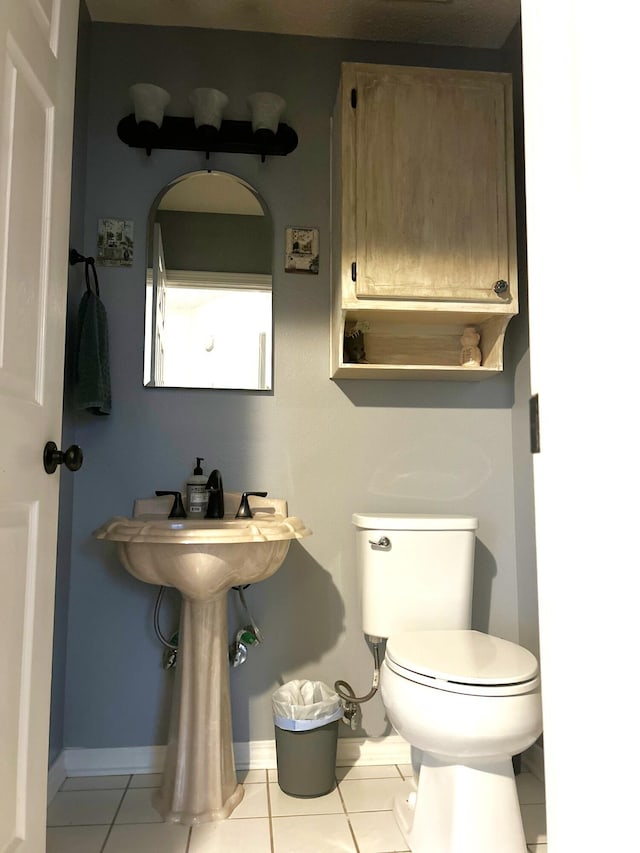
302, 705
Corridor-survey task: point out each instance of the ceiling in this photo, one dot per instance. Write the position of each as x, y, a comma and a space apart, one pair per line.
470, 23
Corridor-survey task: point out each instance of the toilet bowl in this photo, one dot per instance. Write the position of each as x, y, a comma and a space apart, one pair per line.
468, 702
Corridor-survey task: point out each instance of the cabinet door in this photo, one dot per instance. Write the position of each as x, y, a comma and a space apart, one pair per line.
433, 161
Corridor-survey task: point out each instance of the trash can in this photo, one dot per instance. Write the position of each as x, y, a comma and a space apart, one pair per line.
306, 716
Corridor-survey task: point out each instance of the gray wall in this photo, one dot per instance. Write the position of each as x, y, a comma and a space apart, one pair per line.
518, 350
331, 448
216, 242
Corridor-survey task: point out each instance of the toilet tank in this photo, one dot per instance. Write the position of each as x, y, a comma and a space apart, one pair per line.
416, 571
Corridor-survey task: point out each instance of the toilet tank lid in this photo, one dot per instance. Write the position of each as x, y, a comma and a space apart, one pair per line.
409, 521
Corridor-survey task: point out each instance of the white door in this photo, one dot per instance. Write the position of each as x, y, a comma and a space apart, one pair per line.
37, 72
581, 77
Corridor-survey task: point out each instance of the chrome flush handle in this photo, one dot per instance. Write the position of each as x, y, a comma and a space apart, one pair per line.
383, 544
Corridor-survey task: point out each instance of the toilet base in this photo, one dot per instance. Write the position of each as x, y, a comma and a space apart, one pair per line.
463, 806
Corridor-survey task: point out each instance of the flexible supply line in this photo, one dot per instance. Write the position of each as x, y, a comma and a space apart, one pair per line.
345, 690
156, 621
252, 623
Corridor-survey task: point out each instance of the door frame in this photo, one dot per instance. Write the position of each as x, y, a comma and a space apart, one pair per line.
582, 181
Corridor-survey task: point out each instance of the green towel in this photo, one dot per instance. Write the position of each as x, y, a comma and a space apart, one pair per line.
93, 381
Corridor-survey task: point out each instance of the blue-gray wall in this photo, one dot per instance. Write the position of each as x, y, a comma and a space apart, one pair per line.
330, 448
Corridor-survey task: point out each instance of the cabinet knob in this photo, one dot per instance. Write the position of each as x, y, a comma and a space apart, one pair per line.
500, 287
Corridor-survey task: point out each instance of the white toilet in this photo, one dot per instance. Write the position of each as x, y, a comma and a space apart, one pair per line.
466, 701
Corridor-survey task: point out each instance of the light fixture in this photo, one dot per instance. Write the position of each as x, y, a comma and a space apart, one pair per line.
208, 106
206, 130
149, 104
266, 109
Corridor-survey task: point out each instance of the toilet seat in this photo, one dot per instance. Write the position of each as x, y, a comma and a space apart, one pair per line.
463, 661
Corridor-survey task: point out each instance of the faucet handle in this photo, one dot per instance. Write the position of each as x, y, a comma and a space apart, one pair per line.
244, 510
177, 510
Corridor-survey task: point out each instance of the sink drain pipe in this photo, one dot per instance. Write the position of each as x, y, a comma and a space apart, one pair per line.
351, 702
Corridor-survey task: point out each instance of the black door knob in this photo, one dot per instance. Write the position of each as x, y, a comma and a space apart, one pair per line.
52, 457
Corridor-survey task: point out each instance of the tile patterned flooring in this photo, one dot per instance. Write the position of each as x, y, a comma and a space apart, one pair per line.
113, 814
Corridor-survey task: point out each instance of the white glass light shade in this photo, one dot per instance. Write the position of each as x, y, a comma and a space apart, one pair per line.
266, 109
208, 106
149, 102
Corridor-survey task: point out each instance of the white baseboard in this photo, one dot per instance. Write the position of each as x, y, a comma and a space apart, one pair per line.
371, 751
533, 760
261, 754
255, 755
114, 762
57, 775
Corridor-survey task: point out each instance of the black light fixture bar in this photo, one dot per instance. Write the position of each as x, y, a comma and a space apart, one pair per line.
179, 133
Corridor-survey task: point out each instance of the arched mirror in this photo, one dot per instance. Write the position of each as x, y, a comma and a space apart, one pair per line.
208, 313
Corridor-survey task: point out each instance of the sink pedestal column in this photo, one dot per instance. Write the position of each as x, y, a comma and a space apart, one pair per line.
199, 783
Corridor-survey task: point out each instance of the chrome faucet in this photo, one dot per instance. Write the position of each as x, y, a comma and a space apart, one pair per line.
215, 506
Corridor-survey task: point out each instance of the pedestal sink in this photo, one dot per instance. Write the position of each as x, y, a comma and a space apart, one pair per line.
203, 559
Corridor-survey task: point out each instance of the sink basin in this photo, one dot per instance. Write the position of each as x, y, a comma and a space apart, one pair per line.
203, 559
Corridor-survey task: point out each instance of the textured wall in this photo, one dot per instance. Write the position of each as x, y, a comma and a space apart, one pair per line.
329, 448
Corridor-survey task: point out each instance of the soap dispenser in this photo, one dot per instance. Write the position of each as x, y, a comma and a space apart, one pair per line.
197, 495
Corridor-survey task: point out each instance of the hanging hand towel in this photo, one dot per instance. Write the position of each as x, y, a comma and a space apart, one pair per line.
93, 381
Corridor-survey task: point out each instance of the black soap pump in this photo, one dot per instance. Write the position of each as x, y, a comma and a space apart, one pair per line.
197, 496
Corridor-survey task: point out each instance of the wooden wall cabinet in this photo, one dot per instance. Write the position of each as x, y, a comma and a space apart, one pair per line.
423, 219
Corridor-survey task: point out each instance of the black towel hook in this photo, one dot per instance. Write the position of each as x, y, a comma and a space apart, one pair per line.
76, 258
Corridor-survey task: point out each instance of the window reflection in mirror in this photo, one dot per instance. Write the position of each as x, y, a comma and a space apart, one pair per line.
208, 312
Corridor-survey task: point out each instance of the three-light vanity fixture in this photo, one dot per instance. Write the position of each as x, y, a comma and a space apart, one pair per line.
206, 130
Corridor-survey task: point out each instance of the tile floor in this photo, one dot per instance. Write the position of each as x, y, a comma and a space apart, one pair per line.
113, 814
